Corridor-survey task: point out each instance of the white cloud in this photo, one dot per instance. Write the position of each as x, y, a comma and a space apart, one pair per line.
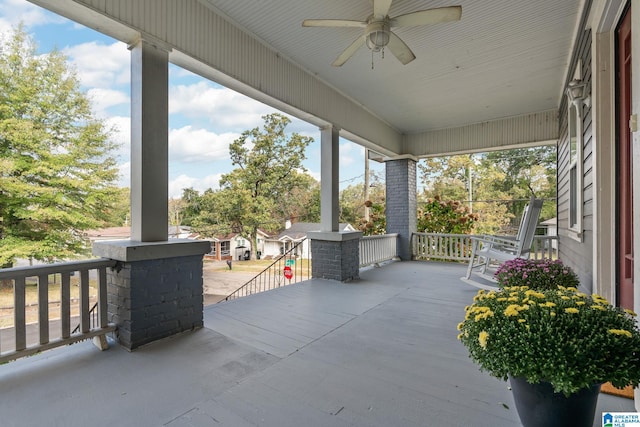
200, 184
121, 135
223, 107
198, 145
99, 65
103, 99
14, 12
351, 153
124, 176
315, 175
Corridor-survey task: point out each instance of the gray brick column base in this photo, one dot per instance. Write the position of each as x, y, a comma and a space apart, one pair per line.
335, 256
150, 299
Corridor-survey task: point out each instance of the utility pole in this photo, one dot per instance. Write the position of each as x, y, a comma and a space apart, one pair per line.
366, 183
470, 180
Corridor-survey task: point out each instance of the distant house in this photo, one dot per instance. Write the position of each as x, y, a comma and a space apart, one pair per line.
551, 226
109, 233
235, 247
293, 234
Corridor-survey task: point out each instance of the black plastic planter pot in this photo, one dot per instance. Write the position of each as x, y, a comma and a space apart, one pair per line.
539, 406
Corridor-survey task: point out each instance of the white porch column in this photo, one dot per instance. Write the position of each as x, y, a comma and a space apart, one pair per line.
149, 142
336, 255
330, 179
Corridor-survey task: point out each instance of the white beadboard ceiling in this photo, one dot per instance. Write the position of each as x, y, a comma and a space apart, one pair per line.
504, 58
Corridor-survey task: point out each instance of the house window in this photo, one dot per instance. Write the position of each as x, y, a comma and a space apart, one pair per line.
225, 248
575, 172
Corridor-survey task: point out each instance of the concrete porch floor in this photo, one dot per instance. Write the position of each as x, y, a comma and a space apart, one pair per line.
381, 351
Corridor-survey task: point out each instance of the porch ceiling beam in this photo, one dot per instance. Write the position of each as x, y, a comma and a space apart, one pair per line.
528, 130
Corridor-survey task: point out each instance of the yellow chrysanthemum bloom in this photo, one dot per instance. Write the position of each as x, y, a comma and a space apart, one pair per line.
532, 293
598, 307
580, 303
459, 337
482, 339
511, 310
571, 310
521, 320
553, 314
564, 297
459, 327
484, 315
630, 312
621, 332
502, 299
599, 299
548, 304
513, 299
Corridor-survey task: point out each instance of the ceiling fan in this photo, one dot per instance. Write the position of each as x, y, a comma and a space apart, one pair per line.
377, 29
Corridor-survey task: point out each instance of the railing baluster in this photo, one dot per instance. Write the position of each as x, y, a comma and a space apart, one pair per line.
85, 324
65, 305
102, 298
43, 308
19, 318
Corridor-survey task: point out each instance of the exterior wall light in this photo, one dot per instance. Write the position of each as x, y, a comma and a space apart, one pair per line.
577, 93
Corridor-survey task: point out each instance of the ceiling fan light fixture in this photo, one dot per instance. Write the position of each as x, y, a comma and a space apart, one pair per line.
377, 40
377, 35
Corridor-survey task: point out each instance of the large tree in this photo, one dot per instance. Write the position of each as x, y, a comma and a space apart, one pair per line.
56, 171
269, 162
494, 185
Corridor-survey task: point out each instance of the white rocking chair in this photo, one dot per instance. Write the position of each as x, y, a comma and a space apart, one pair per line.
486, 249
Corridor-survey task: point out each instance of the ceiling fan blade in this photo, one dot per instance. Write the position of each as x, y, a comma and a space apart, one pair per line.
399, 49
333, 23
429, 16
381, 8
348, 52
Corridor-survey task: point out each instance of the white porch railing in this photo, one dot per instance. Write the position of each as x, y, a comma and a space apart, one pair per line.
376, 249
457, 247
30, 338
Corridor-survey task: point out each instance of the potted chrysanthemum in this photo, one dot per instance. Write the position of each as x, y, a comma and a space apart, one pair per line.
536, 273
560, 342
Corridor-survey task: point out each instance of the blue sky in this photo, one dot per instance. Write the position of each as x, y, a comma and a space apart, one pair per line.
204, 116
